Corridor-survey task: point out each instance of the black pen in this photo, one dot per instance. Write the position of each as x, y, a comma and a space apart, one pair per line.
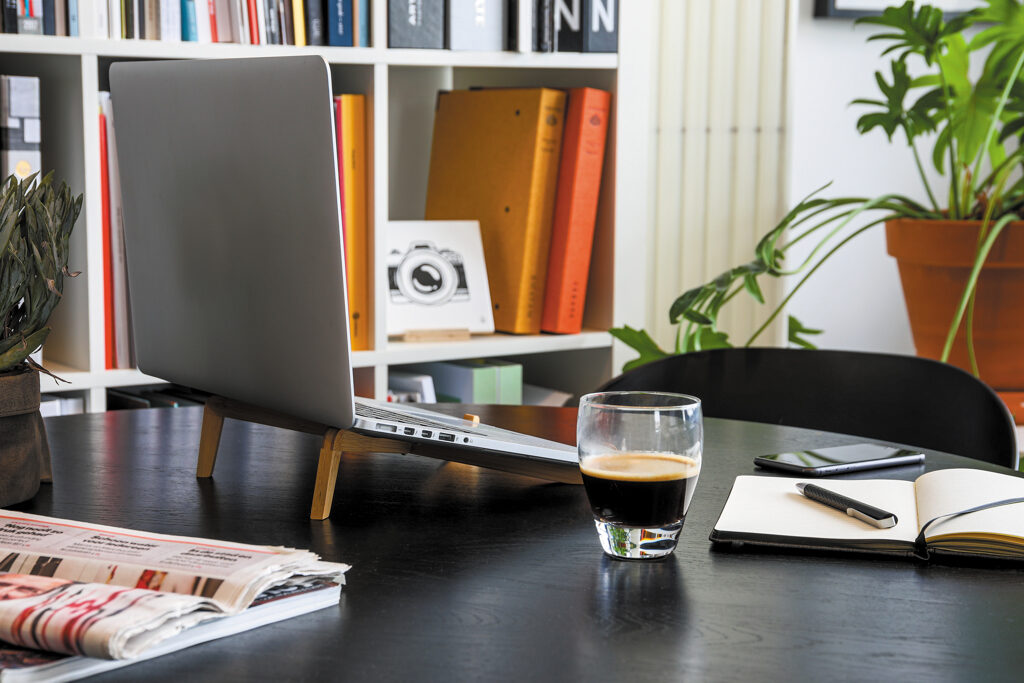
868, 514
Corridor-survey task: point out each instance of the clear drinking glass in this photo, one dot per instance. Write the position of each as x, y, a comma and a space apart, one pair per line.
640, 457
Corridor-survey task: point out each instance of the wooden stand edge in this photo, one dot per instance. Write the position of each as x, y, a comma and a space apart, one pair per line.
338, 441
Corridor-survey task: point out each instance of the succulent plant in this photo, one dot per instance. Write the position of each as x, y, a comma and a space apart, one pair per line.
36, 220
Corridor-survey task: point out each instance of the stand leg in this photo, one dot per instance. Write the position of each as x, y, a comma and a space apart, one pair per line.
326, 475
209, 440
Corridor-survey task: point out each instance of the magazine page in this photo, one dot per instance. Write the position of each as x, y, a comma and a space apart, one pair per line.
57, 615
229, 574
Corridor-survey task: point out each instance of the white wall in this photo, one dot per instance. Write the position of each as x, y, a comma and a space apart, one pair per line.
856, 297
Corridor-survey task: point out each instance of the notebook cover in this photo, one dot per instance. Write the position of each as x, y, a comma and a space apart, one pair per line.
494, 159
572, 233
108, 277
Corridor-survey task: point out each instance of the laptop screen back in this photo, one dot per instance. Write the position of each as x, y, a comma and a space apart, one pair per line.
233, 230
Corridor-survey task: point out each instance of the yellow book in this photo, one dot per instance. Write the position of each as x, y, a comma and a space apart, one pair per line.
494, 159
351, 130
299, 22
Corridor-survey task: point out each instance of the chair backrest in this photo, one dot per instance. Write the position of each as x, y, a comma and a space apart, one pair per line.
903, 399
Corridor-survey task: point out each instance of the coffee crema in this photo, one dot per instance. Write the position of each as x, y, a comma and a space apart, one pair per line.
640, 489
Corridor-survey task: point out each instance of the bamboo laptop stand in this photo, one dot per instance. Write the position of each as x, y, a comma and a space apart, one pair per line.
338, 441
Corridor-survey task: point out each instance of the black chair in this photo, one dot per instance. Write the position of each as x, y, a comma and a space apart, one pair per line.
903, 399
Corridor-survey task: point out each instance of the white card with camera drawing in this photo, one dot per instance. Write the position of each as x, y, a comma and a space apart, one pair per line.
437, 277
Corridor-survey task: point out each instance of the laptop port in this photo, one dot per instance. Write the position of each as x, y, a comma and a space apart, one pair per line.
409, 431
446, 437
382, 427
426, 433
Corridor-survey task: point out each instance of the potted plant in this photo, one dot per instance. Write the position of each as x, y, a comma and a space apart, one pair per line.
961, 252
36, 220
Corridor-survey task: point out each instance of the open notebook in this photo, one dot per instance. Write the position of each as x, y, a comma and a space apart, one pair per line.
770, 511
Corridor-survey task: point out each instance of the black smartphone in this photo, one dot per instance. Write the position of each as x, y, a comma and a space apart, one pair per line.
835, 459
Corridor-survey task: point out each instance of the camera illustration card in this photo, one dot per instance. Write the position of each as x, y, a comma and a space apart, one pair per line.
437, 277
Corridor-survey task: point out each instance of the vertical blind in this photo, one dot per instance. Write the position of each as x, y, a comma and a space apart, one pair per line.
719, 152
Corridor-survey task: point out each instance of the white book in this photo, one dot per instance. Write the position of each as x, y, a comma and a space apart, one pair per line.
420, 383
170, 20
242, 9
226, 21
49, 406
261, 19
203, 21
119, 268
114, 16
92, 19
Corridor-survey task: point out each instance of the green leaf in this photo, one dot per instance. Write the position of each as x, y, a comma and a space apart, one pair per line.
750, 283
709, 338
697, 317
797, 330
23, 349
641, 342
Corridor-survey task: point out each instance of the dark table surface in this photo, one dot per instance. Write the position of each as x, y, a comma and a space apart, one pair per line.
460, 573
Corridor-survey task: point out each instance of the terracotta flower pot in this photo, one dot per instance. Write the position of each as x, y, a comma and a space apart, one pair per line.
24, 451
935, 259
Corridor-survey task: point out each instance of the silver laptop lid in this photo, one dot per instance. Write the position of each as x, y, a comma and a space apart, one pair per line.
229, 181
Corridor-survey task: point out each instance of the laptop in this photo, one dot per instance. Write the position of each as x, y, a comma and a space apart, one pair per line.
233, 236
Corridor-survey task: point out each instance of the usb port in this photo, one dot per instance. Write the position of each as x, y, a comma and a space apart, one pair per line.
409, 431
446, 437
382, 427
426, 433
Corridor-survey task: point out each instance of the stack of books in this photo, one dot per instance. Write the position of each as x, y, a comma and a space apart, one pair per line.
526, 163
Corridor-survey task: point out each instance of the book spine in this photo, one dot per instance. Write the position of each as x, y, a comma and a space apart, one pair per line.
314, 22
576, 197
284, 13
568, 26
362, 28
211, 10
225, 21
10, 16
127, 19
108, 280
170, 20
152, 19
140, 19
49, 18
476, 26
299, 22
600, 26
339, 23
352, 162
73, 21
261, 22
60, 17
529, 303
543, 26
271, 21
416, 23
119, 275
114, 19
189, 29
355, 23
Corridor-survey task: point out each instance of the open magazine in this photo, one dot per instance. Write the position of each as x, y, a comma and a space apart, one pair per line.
103, 592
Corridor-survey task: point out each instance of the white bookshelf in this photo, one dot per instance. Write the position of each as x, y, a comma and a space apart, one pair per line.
401, 87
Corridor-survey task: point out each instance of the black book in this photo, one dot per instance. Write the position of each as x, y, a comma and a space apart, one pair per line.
273, 26
544, 26
600, 26
416, 23
315, 22
568, 19
10, 16
49, 18
128, 18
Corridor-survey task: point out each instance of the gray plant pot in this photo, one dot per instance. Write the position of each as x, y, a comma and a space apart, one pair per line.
24, 451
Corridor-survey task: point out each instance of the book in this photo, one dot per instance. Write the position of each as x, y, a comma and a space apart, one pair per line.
568, 26
361, 22
534, 395
770, 511
20, 126
407, 383
298, 23
60, 9
476, 25
114, 23
108, 266
73, 20
416, 23
225, 21
99, 597
49, 18
170, 20
315, 23
543, 26
510, 380
494, 159
461, 381
10, 18
350, 119
578, 189
339, 23
189, 25
600, 26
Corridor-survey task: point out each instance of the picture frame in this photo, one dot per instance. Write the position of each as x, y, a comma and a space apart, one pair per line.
437, 278
867, 8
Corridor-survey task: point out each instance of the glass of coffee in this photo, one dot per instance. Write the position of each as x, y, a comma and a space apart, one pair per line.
640, 456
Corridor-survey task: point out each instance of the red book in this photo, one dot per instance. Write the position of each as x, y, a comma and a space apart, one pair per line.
108, 273
254, 23
576, 194
213, 20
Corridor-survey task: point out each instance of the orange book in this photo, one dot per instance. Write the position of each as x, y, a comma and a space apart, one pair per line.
494, 159
572, 232
108, 272
350, 112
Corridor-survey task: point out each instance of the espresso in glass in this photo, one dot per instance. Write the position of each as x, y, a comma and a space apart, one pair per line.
640, 458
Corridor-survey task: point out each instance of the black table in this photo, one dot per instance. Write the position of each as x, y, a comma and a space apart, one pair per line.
460, 573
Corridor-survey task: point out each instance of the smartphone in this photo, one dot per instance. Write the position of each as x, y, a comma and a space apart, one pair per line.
835, 459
